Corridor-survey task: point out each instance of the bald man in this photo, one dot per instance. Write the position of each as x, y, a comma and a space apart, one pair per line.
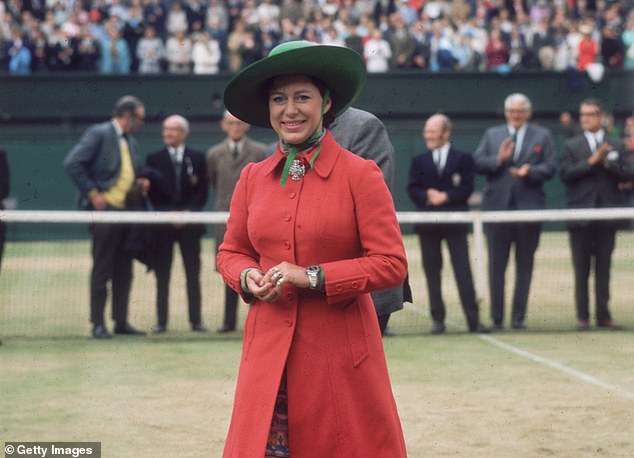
180, 185
441, 179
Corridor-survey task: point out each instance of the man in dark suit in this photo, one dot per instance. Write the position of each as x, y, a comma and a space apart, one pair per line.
516, 158
594, 166
225, 161
4, 193
363, 134
182, 186
441, 179
104, 166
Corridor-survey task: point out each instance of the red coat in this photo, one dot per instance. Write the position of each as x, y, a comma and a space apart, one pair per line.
341, 216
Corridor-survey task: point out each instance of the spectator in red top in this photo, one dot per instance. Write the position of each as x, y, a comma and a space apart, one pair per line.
588, 48
497, 51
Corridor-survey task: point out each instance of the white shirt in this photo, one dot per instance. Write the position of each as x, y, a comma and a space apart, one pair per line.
521, 132
440, 156
176, 153
594, 139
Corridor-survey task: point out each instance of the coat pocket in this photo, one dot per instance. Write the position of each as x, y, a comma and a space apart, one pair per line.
356, 331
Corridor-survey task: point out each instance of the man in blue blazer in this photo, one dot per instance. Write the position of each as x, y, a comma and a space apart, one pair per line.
516, 158
104, 167
441, 179
596, 171
181, 184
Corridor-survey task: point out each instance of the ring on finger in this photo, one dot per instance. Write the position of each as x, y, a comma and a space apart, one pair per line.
279, 282
277, 276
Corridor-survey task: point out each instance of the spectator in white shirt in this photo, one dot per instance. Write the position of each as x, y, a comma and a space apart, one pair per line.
206, 55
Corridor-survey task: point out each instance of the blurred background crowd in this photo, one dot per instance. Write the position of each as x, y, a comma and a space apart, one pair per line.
222, 36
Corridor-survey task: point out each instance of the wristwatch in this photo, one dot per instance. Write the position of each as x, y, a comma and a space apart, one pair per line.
313, 276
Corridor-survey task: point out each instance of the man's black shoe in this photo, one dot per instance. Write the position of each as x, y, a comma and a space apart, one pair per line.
99, 331
225, 329
128, 330
159, 329
518, 325
480, 328
199, 327
437, 328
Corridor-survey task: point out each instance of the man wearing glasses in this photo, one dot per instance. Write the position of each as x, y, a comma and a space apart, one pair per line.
516, 158
104, 167
594, 167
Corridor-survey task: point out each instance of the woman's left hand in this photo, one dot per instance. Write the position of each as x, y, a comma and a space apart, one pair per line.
285, 272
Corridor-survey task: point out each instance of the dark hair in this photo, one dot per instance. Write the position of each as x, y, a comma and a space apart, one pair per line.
128, 104
594, 102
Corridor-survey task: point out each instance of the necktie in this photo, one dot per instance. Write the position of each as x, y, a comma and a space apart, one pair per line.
438, 161
235, 151
177, 173
597, 142
516, 146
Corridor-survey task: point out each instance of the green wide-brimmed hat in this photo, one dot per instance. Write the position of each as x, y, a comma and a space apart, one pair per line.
341, 69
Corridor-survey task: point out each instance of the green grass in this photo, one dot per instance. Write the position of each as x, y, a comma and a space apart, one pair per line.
549, 391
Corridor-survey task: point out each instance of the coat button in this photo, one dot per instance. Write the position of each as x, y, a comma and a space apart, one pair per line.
355, 285
289, 323
292, 194
339, 288
287, 244
287, 217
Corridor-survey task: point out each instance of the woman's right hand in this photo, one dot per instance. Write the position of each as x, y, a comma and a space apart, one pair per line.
263, 290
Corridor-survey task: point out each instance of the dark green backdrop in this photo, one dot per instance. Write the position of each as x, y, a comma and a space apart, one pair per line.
41, 117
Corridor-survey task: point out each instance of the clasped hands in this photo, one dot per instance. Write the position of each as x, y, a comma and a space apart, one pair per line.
267, 286
504, 154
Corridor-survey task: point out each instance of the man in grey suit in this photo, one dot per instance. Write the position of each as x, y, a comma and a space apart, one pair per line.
516, 158
225, 161
104, 167
594, 168
365, 135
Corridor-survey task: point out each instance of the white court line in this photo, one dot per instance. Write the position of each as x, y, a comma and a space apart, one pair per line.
560, 367
617, 390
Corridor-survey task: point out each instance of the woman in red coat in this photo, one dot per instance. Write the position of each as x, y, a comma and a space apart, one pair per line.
312, 231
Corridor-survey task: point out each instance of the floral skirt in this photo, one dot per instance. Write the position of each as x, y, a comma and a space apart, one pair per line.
277, 445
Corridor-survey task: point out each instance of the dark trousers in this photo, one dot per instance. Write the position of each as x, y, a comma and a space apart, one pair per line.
2, 232
188, 239
111, 263
594, 242
500, 238
231, 308
431, 249
383, 320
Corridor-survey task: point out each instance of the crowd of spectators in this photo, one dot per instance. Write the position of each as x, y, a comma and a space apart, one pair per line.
219, 36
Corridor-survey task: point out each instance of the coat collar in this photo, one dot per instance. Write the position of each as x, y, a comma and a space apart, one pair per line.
324, 163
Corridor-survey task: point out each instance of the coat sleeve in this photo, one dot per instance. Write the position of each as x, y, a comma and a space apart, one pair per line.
236, 252
78, 161
201, 188
573, 167
384, 264
374, 143
544, 170
486, 156
461, 193
416, 189
4, 176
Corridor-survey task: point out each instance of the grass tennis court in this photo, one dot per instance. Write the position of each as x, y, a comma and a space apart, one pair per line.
549, 391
